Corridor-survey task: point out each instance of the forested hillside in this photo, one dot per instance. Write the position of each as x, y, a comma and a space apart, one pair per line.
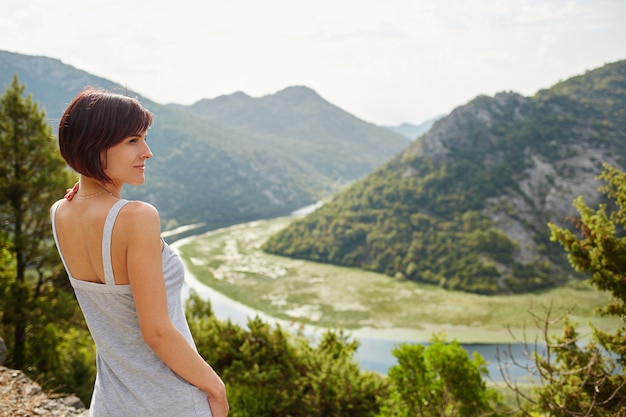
232, 158
466, 206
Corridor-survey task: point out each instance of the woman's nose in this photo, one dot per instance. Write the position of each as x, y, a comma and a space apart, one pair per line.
147, 152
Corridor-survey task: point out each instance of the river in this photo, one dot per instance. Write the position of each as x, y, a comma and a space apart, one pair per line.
374, 352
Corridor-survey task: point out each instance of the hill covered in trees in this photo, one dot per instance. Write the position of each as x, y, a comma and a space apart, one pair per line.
232, 158
466, 205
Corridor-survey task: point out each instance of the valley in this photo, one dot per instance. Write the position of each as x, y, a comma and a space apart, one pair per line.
368, 304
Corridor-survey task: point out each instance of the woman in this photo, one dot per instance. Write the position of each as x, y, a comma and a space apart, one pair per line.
126, 279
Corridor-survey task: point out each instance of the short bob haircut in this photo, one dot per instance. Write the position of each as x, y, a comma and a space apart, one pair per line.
93, 122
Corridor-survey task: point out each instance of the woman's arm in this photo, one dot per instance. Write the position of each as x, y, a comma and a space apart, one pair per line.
141, 227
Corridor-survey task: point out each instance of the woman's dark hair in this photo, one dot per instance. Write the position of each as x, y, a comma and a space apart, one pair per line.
95, 121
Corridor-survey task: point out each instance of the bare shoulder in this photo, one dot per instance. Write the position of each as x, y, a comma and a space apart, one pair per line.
141, 216
140, 208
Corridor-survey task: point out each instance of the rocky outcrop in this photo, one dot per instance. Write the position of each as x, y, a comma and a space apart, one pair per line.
22, 397
469, 127
543, 190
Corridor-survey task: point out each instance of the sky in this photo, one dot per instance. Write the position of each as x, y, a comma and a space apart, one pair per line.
385, 61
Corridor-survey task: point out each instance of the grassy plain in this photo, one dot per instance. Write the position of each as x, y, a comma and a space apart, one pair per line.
369, 304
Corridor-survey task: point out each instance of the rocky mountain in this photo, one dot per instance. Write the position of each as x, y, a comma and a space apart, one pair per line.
466, 206
232, 158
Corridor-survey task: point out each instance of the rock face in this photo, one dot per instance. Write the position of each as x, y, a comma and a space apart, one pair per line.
21, 397
543, 190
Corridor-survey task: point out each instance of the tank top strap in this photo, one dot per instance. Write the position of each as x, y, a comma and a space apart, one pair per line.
55, 206
109, 279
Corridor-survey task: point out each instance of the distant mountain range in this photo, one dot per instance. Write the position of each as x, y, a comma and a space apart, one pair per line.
412, 131
233, 158
466, 205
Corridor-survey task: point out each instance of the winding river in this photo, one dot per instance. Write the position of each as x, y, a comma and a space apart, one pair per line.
374, 352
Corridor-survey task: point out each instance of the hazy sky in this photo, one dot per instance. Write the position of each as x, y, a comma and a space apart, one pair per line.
385, 61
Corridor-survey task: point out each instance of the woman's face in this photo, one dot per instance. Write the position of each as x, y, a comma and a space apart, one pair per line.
126, 161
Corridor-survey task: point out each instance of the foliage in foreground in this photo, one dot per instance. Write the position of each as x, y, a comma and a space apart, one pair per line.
269, 372
37, 306
578, 377
439, 380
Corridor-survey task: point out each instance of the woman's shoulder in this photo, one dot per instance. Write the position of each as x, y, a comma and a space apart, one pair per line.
139, 207
139, 211
138, 219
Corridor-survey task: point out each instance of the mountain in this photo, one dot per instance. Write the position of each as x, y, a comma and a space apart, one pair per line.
466, 205
233, 158
310, 129
412, 131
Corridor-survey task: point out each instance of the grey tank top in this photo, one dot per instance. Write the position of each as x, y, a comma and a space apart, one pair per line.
131, 380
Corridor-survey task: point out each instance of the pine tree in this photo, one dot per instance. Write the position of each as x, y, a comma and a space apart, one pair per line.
586, 378
590, 380
32, 177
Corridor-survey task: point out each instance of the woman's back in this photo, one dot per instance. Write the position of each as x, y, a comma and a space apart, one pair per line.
79, 226
131, 379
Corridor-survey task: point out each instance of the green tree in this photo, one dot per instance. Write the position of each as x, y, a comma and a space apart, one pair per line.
32, 176
587, 379
439, 380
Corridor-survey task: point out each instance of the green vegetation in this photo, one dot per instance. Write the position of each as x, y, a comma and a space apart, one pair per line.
439, 380
430, 215
37, 307
594, 372
583, 376
270, 372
